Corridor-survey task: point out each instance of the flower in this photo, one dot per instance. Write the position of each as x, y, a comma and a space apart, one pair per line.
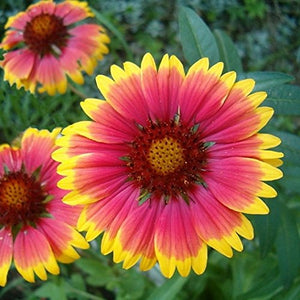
44, 46
169, 163
36, 227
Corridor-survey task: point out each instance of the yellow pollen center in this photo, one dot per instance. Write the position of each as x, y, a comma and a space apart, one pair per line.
14, 193
43, 25
165, 155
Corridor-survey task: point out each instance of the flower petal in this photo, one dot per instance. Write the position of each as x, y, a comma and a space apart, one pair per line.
101, 176
37, 146
112, 128
252, 147
6, 251
10, 158
51, 76
237, 183
32, 254
73, 11
125, 94
101, 215
18, 65
217, 225
62, 238
177, 244
12, 38
135, 238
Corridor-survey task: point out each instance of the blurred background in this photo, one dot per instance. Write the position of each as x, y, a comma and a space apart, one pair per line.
267, 37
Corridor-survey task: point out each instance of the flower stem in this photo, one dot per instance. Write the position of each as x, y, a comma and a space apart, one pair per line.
76, 91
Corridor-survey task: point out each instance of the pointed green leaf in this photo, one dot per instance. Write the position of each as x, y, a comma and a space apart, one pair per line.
266, 80
266, 227
292, 293
77, 280
290, 146
52, 291
6, 169
208, 144
290, 180
144, 196
196, 38
130, 285
255, 278
242, 273
169, 289
228, 52
288, 246
285, 99
263, 288
99, 274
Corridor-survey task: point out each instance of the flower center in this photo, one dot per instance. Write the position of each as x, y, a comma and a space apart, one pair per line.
165, 155
46, 34
21, 199
166, 160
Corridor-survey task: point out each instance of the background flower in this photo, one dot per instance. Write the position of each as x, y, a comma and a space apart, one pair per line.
36, 228
44, 46
169, 163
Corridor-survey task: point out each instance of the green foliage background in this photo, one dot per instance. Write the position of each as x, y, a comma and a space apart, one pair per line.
258, 39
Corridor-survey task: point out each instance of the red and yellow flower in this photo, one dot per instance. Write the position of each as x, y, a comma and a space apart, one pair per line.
36, 227
170, 163
45, 46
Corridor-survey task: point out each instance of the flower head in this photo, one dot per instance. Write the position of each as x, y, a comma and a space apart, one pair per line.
44, 46
169, 163
36, 227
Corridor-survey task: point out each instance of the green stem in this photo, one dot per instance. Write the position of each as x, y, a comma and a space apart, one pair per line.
76, 91
85, 294
115, 31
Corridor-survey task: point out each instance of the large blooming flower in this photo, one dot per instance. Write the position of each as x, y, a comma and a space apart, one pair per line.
36, 227
45, 46
170, 163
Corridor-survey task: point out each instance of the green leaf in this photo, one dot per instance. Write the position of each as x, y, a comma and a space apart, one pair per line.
290, 180
51, 291
196, 38
266, 80
292, 293
79, 293
266, 227
130, 285
228, 52
12, 284
290, 146
103, 20
196, 285
78, 281
253, 277
242, 273
263, 288
285, 99
99, 273
169, 289
288, 247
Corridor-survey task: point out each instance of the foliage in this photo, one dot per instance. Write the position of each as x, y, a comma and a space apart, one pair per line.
269, 268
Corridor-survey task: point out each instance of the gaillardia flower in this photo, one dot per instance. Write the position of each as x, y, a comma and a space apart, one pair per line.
169, 163
44, 46
36, 227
